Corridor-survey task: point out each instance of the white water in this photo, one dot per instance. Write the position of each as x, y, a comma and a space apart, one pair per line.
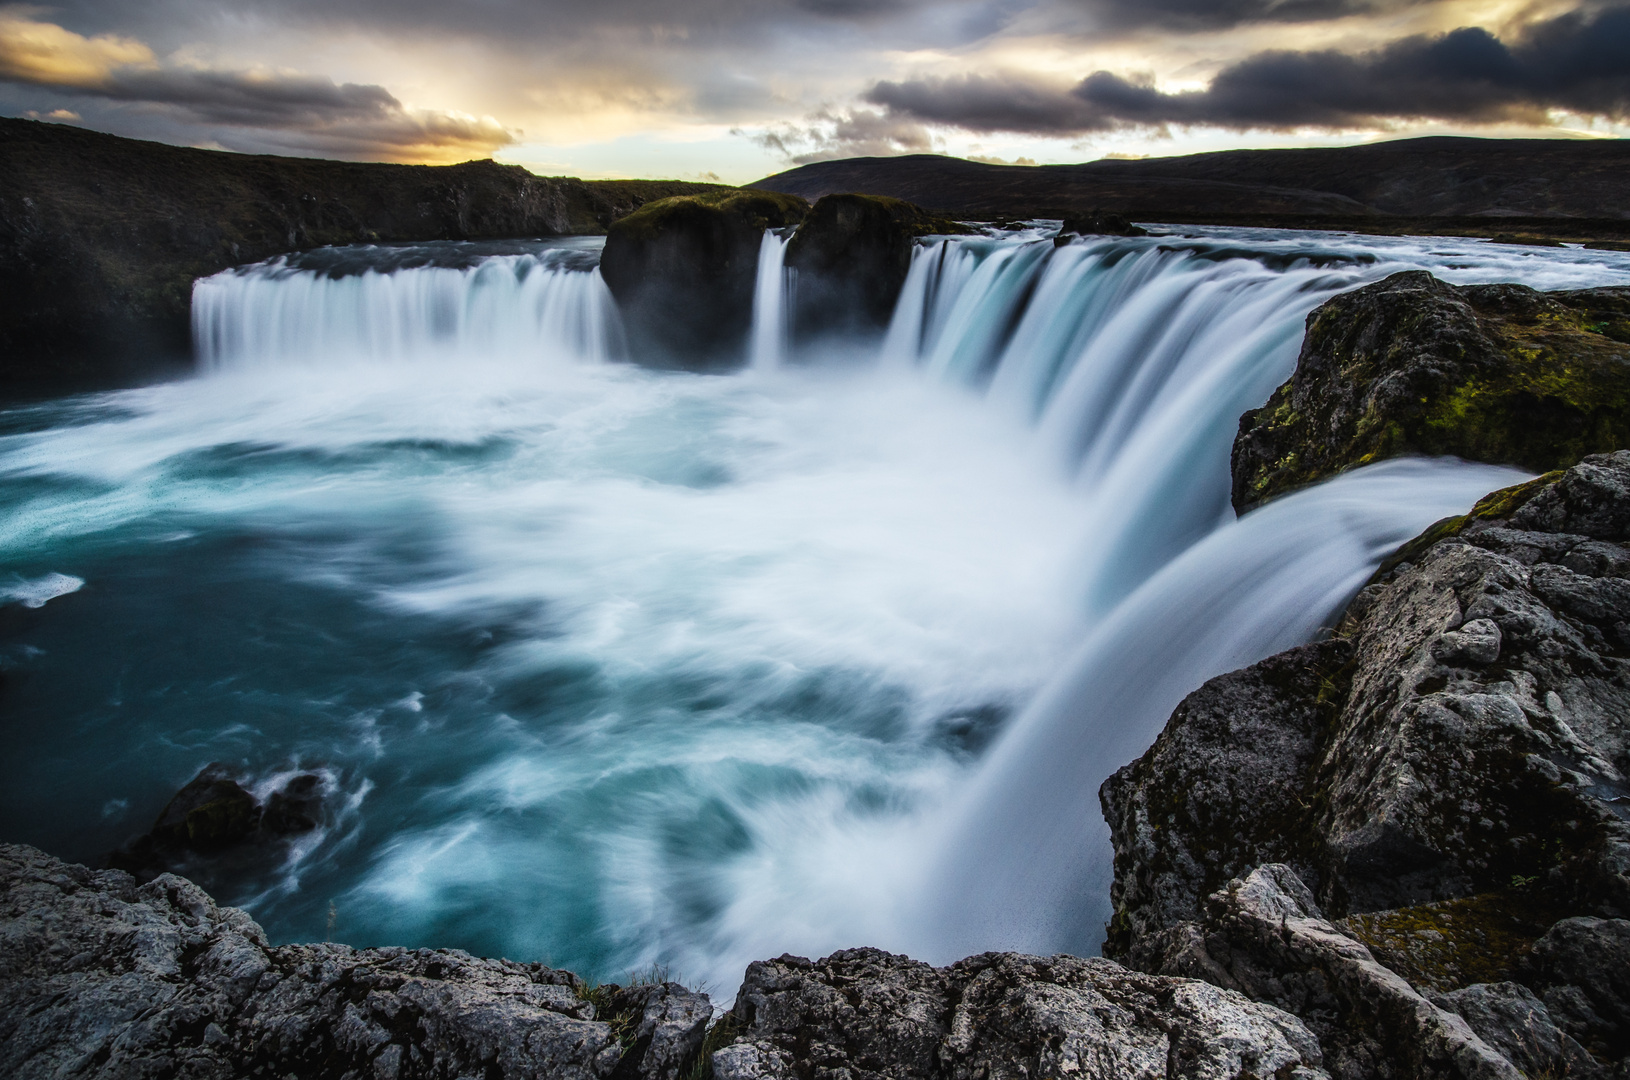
617, 666
768, 346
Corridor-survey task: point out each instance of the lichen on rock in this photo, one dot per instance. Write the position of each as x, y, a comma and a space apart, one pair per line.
1413, 365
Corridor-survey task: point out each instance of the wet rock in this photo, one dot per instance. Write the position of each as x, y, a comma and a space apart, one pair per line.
1513, 1021
100, 977
1264, 936
864, 1013
1096, 223
851, 255
683, 269
1412, 365
215, 817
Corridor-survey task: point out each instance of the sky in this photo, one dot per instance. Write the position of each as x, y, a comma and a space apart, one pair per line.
734, 90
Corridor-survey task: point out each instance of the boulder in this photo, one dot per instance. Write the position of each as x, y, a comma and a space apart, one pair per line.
868, 1014
851, 255
1452, 791
1413, 365
102, 978
683, 269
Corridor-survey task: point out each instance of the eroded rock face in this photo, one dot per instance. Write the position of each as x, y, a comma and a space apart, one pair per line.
1455, 791
869, 1014
1413, 365
851, 255
102, 978
683, 269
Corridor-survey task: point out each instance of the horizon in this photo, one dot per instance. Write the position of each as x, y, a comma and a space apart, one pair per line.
730, 92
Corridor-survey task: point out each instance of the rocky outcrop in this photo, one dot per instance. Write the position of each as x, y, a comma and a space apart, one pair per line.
102, 237
851, 255
1096, 223
868, 1014
1412, 365
102, 978
1448, 777
682, 271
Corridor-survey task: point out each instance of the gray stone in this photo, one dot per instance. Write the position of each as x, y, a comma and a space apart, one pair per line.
102, 978
864, 1014
1583, 965
1511, 1019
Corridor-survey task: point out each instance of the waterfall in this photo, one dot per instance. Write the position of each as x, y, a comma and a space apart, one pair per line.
513, 308
770, 295
710, 669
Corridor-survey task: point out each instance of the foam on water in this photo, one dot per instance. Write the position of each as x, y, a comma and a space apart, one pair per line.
606, 666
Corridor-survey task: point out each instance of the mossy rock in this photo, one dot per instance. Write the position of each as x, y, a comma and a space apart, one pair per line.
683, 269
852, 254
1453, 944
1413, 365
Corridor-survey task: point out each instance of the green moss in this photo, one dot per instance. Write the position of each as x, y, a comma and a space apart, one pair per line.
1455, 943
761, 209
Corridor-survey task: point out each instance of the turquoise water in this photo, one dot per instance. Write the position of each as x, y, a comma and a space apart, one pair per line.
605, 666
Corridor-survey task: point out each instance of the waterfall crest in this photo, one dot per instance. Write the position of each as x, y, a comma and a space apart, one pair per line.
768, 346
541, 306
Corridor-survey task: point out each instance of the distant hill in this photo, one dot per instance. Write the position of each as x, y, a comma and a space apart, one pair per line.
1437, 178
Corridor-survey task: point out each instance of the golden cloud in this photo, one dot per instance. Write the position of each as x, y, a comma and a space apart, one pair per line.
38, 52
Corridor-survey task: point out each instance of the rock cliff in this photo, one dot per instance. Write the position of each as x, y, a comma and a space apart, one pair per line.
683, 269
1412, 365
102, 237
1434, 802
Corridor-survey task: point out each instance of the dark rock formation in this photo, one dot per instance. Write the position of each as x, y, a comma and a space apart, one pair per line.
1096, 223
213, 815
1456, 790
1412, 365
101, 978
868, 1014
851, 255
102, 237
683, 269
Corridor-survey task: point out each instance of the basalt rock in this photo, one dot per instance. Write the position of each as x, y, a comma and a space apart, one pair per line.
851, 255
683, 269
100, 977
868, 1015
1454, 792
1413, 365
102, 237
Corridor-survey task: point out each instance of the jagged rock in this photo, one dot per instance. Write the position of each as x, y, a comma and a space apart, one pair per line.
102, 978
1224, 788
1264, 936
1513, 1021
1583, 966
1453, 790
683, 270
851, 255
1413, 365
866, 1014
1096, 223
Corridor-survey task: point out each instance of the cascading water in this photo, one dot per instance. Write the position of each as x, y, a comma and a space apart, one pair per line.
603, 666
769, 328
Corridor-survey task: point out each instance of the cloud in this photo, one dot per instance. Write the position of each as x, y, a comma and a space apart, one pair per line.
1577, 62
287, 111
826, 135
1191, 15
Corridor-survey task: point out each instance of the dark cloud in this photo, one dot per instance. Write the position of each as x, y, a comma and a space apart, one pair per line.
827, 136
1578, 62
1190, 15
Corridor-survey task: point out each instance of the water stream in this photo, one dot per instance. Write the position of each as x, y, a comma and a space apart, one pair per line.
605, 666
